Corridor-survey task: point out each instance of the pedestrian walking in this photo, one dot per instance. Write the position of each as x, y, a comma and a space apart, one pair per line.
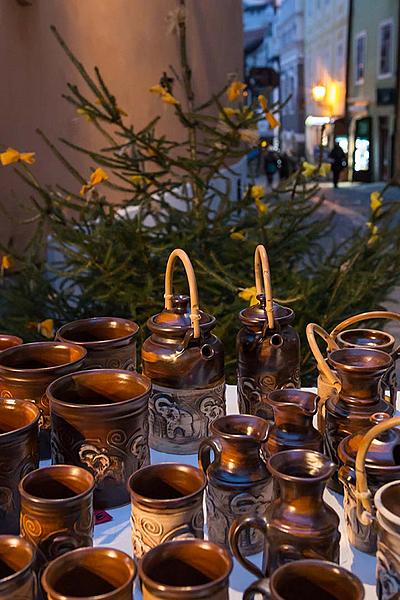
339, 162
270, 165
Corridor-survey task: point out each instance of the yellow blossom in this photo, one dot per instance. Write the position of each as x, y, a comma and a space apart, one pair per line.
249, 294
261, 207
11, 156
374, 233
164, 94
230, 112
375, 201
139, 179
97, 177
235, 89
308, 169
257, 192
325, 169
263, 102
5, 262
83, 112
237, 235
272, 121
46, 328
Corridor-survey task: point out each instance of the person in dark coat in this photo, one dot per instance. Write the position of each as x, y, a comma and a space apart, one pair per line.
338, 159
270, 165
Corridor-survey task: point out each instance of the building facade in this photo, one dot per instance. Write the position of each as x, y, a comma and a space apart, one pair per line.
371, 94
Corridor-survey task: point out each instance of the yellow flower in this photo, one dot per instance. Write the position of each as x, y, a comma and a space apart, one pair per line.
5, 262
46, 328
375, 201
257, 192
272, 122
237, 235
325, 169
230, 112
261, 207
11, 156
235, 89
164, 94
263, 102
249, 294
308, 170
83, 112
97, 177
374, 233
139, 179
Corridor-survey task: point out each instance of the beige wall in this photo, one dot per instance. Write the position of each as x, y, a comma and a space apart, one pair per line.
128, 40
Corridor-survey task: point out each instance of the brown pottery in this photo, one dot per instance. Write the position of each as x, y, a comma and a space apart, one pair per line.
379, 463
298, 523
167, 503
17, 576
19, 454
110, 342
186, 570
57, 510
237, 478
308, 580
387, 504
27, 370
349, 409
268, 347
292, 428
90, 574
8, 341
185, 363
100, 422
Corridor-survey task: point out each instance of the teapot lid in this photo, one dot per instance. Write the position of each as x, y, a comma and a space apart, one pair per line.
176, 321
384, 451
257, 314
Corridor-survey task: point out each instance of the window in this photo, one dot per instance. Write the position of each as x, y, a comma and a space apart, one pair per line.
385, 52
360, 55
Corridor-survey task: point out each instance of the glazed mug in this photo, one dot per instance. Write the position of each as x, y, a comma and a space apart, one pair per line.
186, 570
90, 574
110, 341
308, 579
167, 504
17, 576
57, 510
100, 422
387, 504
8, 341
19, 454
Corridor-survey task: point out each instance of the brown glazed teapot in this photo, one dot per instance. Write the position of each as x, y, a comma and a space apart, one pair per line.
268, 347
356, 397
185, 363
381, 465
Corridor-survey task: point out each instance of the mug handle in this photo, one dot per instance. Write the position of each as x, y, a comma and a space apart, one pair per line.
259, 587
236, 529
323, 367
263, 282
205, 452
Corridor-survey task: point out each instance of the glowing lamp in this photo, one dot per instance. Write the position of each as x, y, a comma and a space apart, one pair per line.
319, 92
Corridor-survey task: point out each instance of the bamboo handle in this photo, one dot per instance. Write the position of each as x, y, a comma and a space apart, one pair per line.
194, 297
363, 495
323, 367
263, 281
374, 314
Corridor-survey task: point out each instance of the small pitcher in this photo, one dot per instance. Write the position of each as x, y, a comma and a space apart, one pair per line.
237, 478
298, 524
268, 347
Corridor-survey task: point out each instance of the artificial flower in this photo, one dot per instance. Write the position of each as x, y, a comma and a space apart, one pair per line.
235, 89
257, 192
261, 207
237, 235
46, 328
139, 179
11, 156
375, 201
249, 294
308, 169
249, 136
325, 169
164, 94
374, 233
97, 177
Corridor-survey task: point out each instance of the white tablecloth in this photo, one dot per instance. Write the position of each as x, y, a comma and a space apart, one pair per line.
117, 532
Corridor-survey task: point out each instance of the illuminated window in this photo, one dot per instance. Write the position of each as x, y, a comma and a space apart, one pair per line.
360, 55
385, 49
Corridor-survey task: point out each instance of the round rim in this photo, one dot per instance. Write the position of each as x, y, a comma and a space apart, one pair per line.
28, 566
329, 466
54, 501
251, 419
386, 360
25, 427
69, 345
381, 508
93, 344
390, 339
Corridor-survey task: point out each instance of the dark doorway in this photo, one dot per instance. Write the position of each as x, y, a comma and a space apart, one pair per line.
384, 149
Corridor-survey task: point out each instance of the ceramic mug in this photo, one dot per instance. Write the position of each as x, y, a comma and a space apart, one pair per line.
167, 503
17, 576
90, 574
311, 579
57, 510
186, 569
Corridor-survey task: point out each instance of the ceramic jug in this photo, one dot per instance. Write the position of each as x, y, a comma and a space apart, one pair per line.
268, 347
298, 523
237, 477
356, 398
387, 504
292, 427
380, 465
185, 363
341, 337
17, 563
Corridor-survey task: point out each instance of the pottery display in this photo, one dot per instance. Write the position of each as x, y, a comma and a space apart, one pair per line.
238, 479
8, 341
100, 422
292, 425
17, 576
167, 504
380, 465
308, 580
387, 505
186, 570
298, 523
90, 574
268, 347
19, 454
57, 510
110, 342
185, 363
349, 409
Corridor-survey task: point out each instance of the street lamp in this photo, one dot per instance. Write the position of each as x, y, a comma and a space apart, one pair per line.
318, 92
